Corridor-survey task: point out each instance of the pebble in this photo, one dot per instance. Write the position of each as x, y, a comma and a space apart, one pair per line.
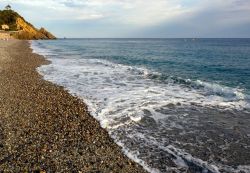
43, 127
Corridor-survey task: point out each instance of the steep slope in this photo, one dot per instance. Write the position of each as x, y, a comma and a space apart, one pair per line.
23, 29
47, 33
28, 31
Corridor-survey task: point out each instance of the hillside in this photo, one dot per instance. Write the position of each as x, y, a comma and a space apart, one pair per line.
24, 29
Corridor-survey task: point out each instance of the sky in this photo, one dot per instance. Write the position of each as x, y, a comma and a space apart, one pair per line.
137, 18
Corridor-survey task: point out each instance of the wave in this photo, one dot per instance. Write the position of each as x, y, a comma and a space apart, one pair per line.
206, 88
123, 97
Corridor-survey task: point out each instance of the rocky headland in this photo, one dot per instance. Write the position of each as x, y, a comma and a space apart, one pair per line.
15, 26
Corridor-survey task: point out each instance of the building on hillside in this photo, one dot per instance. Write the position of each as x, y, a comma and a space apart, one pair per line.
5, 27
8, 7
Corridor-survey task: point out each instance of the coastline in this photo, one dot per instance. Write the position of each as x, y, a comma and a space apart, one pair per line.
43, 127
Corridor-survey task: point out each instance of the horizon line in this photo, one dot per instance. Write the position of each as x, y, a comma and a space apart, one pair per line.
153, 38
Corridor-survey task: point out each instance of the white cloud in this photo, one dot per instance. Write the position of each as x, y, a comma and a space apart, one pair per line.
136, 14
148, 12
56, 9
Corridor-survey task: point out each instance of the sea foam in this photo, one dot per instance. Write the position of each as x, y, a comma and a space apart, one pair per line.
122, 96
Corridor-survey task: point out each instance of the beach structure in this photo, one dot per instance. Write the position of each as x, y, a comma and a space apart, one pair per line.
8, 7
5, 35
5, 27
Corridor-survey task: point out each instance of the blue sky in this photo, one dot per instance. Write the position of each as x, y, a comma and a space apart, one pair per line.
137, 18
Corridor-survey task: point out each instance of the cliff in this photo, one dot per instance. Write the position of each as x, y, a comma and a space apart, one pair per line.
28, 31
24, 30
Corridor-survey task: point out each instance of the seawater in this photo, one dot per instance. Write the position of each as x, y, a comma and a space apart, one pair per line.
174, 105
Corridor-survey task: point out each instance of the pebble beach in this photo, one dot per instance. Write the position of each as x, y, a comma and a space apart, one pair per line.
45, 129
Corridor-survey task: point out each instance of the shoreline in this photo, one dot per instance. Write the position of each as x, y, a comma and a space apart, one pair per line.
164, 125
43, 127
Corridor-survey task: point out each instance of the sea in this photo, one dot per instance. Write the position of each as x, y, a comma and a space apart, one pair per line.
173, 105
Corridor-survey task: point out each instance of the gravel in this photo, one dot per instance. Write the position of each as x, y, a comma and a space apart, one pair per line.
45, 129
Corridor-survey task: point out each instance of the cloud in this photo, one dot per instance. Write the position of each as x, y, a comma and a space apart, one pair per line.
131, 16
219, 19
136, 12
56, 9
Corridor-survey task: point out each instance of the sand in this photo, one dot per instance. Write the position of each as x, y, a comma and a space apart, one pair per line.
43, 127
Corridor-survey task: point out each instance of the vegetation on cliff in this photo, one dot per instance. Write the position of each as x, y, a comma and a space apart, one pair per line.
24, 29
9, 17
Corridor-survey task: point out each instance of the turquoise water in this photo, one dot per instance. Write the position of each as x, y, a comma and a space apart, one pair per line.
172, 104
212, 60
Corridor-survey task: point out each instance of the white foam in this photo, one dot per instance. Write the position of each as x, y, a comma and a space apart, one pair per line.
134, 157
227, 92
118, 95
42, 51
